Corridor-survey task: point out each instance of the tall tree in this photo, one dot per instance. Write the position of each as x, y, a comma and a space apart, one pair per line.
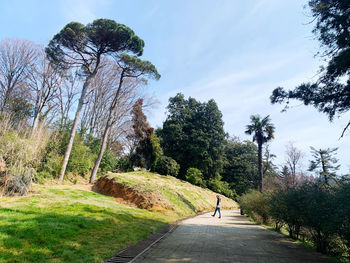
240, 167
17, 58
324, 163
146, 144
82, 46
263, 131
44, 83
131, 67
330, 94
66, 96
193, 135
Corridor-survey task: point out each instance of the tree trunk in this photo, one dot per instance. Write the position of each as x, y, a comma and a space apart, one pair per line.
107, 130
260, 171
74, 127
102, 150
35, 122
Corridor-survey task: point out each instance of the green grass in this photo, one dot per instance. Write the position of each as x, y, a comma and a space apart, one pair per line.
69, 225
63, 224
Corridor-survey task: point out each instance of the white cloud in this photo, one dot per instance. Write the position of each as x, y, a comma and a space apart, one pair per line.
83, 11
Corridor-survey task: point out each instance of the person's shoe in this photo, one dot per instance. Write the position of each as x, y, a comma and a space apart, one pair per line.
219, 216
212, 215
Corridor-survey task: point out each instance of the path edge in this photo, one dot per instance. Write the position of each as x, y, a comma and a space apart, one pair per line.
131, 253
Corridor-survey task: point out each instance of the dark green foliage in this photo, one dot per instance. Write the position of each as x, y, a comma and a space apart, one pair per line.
312, 210
342, 213
324, 164
92, 142
123, 165
134, 67
108, 162
318, 214
287, 207
241, 165
194, 176
331, 93
219, 186
147, 144
102, 36
193, 135
167, 166
263, 131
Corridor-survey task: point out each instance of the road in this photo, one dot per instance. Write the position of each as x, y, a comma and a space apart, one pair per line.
233, 238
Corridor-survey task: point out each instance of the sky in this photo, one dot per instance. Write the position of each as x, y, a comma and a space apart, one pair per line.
235, 52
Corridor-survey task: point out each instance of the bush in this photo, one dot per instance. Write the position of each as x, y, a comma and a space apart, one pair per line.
318, 214
256, 205
286, 207
81, 159
216, 185
108, 162
311, 207
123, 165
194, 176
167, 166
342, 214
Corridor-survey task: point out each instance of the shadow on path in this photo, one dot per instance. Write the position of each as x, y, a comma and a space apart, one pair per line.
230, 239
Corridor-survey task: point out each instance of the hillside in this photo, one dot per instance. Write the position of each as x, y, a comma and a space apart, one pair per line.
71, 223
160, 193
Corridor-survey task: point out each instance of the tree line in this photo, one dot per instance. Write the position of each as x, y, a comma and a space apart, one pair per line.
93, 69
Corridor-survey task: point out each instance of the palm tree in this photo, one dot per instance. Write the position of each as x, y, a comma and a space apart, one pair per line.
263, 131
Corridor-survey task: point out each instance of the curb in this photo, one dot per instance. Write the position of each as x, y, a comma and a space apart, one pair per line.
130, 254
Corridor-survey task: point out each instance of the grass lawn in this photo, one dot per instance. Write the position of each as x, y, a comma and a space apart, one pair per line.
70, 225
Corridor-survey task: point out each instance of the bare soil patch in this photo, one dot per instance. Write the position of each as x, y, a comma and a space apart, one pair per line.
150, 200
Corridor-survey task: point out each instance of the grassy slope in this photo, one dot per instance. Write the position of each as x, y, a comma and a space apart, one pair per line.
64, 224
183, 196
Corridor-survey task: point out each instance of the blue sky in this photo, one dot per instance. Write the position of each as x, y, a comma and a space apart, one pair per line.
235, 52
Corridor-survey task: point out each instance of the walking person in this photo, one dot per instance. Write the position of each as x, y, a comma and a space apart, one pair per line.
218, 206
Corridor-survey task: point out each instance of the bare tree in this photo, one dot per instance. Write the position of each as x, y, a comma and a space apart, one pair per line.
17, 58
99, 98
44, 82
293, 161
66, 95
131, 67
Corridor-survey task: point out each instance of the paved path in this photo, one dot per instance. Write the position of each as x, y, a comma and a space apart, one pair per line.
229, 239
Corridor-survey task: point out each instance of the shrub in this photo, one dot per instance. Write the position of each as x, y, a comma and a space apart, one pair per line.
342, 214
108, 162
216, 185
81, 159
256, 205
318, 214
167, 166
123, 165
288, 206
311, 207
194, 176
